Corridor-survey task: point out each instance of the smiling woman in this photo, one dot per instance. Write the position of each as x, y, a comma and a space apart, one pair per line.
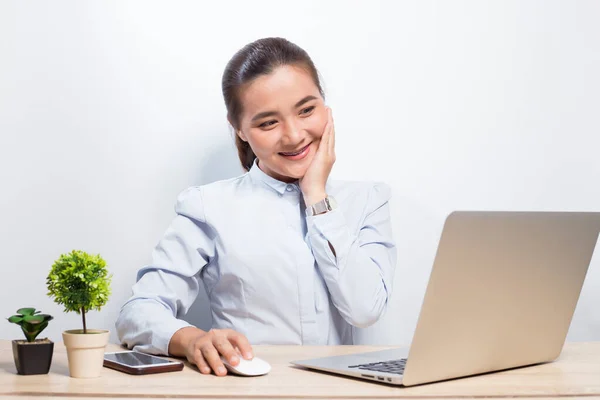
283, 121
276, 105
284, 262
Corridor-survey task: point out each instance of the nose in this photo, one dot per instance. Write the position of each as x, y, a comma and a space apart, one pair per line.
292, 132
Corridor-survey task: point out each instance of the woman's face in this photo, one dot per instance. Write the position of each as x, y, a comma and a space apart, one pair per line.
283, 120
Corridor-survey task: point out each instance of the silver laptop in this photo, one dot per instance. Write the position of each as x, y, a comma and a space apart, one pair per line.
501, 294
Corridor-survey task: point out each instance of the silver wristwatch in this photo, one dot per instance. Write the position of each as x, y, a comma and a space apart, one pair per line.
323, 206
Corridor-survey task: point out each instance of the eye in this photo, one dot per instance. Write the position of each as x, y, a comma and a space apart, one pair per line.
307, 110
267, 124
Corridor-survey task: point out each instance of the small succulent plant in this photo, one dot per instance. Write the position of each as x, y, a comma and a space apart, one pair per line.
32, 323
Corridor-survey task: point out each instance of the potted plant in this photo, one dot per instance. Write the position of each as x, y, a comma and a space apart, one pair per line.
32, 356
80, 282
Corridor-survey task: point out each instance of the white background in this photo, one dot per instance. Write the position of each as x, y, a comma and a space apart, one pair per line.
109, 109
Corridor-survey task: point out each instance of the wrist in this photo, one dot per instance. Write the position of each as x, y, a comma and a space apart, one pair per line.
181, 340
313, 194
314, 198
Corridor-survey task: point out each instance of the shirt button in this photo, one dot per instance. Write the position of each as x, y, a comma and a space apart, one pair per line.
289, 188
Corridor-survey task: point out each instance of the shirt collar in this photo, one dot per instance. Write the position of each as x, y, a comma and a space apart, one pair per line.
258, 175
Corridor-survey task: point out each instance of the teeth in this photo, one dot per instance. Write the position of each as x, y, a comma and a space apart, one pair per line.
294, 154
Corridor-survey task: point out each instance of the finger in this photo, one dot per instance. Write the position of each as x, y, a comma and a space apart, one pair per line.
226, 350
324, 145
325, 135
329, 138
331, 135
330, 122
242, 343
212, 358
201, 362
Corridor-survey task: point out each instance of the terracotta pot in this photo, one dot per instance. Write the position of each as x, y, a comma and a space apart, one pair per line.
32, 358
85, 352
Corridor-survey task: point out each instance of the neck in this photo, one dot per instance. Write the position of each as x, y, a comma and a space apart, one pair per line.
284, 179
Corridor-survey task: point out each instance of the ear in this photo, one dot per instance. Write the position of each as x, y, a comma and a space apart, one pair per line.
242, 136
237, 132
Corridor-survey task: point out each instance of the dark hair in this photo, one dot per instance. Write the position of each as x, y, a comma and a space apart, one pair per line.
253, 60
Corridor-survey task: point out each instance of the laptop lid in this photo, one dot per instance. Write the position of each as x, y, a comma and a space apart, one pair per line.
502, 292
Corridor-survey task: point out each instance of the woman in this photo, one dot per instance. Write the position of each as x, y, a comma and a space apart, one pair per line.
286, 255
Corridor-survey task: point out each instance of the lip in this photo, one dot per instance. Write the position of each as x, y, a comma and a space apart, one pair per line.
303, 153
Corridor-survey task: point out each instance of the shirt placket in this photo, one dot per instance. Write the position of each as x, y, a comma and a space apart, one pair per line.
304, 267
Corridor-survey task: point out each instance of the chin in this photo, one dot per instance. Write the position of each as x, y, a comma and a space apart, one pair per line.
294, 173
298, 171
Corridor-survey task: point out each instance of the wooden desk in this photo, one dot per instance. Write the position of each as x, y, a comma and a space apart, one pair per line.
576, 374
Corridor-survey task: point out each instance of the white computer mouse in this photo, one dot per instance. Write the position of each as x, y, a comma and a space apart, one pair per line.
254, 367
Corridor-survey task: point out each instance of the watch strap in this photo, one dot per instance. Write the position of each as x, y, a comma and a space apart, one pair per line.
321, 207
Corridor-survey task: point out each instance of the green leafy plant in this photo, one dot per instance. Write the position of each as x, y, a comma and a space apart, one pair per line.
32, 323
80, 282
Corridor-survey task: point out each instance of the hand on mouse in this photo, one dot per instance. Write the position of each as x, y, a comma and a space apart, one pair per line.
205, 349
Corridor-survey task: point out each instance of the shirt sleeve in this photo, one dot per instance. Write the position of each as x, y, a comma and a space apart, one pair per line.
358, 267
166, 288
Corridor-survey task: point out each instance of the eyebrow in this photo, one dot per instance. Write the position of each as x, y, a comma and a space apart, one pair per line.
305, 100
271, 113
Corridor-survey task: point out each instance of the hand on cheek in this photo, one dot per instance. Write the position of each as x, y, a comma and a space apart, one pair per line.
313, 182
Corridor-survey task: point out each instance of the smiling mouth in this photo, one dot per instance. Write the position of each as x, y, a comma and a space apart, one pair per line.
295, 153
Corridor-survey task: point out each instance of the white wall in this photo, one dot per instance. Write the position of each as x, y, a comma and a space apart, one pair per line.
109, 109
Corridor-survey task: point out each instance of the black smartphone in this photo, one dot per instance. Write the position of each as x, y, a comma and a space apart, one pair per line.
136, 363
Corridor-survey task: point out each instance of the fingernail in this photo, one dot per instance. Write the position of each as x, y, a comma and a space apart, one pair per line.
248, 355
233, 360
221, 370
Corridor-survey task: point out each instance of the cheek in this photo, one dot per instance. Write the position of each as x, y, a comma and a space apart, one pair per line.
316, 124
261, 142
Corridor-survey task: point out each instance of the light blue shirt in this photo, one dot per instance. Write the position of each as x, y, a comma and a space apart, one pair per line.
268, 270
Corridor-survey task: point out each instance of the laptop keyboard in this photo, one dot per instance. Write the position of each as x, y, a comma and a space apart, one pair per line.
390, 367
